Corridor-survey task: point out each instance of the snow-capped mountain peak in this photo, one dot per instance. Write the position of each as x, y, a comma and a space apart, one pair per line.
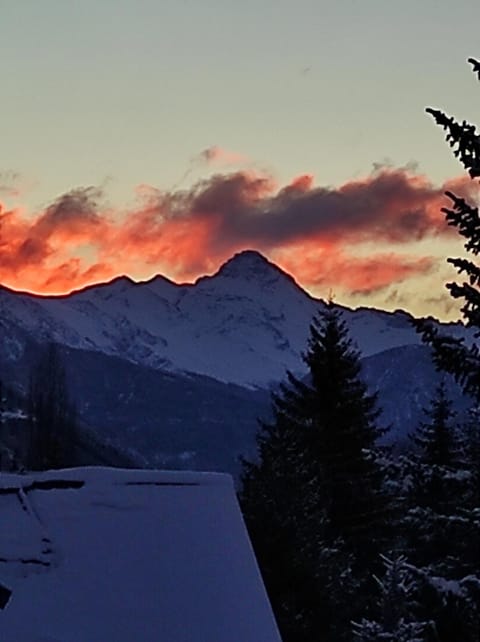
246, 324
249, 265
250, 275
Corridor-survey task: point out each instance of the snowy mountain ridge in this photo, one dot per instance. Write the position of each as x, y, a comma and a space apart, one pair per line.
246, 324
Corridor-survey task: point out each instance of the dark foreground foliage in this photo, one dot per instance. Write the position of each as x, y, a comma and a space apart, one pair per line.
353, 544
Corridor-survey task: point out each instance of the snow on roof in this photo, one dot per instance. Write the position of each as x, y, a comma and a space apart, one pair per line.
97, 554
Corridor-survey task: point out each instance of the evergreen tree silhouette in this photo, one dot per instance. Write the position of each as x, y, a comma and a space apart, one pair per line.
51, 414
395, 606
313, 501
452, 354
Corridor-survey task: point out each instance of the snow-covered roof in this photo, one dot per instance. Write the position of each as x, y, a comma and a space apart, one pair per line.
97, 554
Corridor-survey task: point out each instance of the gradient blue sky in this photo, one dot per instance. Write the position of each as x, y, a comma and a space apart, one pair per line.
119, 93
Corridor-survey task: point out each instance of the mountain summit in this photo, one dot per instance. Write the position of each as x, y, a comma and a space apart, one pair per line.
249, 264
249, 268
246, 324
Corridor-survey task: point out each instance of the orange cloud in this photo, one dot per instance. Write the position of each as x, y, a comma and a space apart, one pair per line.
332, 266
314, 232
302, 183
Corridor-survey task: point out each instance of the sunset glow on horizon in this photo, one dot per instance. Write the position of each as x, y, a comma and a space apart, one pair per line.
143, 138
370, 240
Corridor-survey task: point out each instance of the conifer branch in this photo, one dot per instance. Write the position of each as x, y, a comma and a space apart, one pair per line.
476, 66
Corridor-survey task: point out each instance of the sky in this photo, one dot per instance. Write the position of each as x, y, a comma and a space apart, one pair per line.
144, 137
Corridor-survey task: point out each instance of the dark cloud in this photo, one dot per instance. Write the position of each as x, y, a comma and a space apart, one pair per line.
74, 210
392, 205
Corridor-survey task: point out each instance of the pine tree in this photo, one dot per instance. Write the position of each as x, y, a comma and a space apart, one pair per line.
313, 501
343, 434
437, 480
277, 524
441, 527
52, 422
435, 437
394, 607
452, 556
470, 449
437, 454
450, 606
452, 354
468, 497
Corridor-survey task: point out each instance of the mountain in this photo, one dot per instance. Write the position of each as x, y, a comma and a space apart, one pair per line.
249, 310
405, 379
180, 373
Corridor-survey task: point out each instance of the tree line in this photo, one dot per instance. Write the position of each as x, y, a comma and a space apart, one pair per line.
44, 436
353, 543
